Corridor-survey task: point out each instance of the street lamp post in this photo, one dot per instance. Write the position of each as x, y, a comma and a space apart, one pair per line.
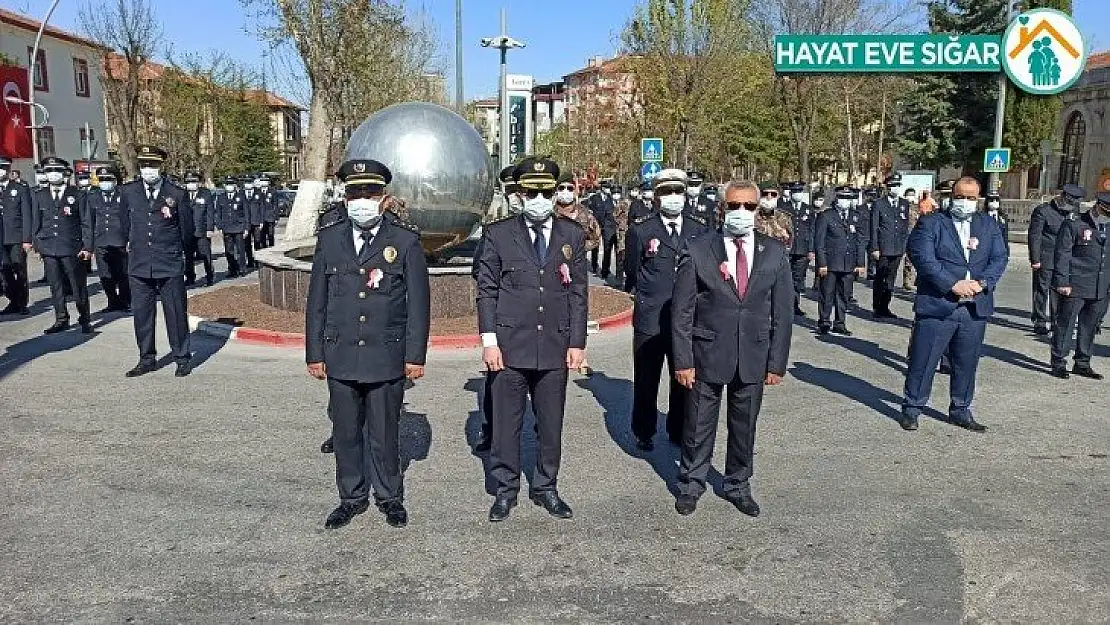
504, 43
1012, 10
31, 82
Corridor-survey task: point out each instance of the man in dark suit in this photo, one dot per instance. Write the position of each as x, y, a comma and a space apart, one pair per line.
641, 204
992, 206
603, 209
1044, 225
62, 232
840, 252
16, 217
161, 227
532, 315
1081, 277
698, 203
252, 187
367, 324
960, 257
269, 210
200, 202
731, 323
111, 227
233, 223
654, 244
890, 219
803, 217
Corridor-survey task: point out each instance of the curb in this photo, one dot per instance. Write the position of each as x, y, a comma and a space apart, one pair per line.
255, 336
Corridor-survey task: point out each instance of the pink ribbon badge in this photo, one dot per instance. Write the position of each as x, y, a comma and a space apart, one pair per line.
564, 273
973, 243
653, 246
66, 211
166, 212
1086, 235
725, 273
375, 278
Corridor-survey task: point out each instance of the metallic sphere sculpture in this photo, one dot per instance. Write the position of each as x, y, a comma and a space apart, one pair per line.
440, 168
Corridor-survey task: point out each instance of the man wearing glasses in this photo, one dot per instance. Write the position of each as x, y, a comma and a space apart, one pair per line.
960, 257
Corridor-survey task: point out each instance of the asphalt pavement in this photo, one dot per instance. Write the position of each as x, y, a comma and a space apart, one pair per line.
203, 499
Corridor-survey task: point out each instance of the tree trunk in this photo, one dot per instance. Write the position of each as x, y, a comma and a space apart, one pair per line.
312, 188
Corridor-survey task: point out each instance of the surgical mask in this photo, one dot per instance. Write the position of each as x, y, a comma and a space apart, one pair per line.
55, 177
538, 209
693, 191
616, 196
740, 222
40, 179
150, 175
962, 210
264, 184
564, 197
819, 203
516, 204
911, 198
3, 174
711, 195
192, 186
992, 205
843, 204
649, 195
83, 183
767, 204
671, 205
797, 197
365, 212
892, 192
230, 188
107, 185
634, 193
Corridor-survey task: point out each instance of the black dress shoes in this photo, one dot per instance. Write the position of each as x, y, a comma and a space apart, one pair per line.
745, 503
208, 281
822, 330
685, 505
344, 513
1041, 331
183, 369
970, 424
1060, 371
142, 368
395, 513
908, 423
12, 310
501, 508
841, 329
554, 505
885, 314
798, 312
327, 447
60, 326
944, 369
1086, 372
484, 444
86, 328
645, 444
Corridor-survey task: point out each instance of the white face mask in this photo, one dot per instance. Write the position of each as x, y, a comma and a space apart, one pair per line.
230, 188
893, 192
538, 209
516, 204
83, 183
150, 175
843, 204
616, 196
671, 205
40, 179
107, 185
740, 222
768, 204
649, 195
693, 191
962, 210
797, 197
364, 212
992, 205
55, 177
564, 197
634, 194
3, 174
819, 203
264, 184
192, 186
912, 199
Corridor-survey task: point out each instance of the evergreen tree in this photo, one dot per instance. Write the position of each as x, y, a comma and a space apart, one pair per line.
257, 151
928, 128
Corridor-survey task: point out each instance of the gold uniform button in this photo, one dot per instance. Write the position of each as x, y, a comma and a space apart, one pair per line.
539, 327
361, 343
362, 318
541, 272
541, 289
362, 295
362, 270
541, 309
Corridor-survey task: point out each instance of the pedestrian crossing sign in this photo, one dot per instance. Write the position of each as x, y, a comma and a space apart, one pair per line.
996, 161
651, 150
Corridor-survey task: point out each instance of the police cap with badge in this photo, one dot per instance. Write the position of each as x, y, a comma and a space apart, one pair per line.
670, 180
508, 178
192, 176
364, 174
847, 193
537, 174
53, 163
893, 181
695, 178
150, 154
107, 173
1074, 192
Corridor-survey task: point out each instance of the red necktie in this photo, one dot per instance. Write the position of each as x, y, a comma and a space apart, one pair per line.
741, 268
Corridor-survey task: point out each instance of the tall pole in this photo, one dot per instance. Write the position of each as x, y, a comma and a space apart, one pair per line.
504, 85
1000, 105
460, 105
31, 80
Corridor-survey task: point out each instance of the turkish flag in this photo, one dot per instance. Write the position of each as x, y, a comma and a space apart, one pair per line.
15, 136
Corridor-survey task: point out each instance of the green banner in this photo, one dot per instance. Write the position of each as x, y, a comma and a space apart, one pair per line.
816, 54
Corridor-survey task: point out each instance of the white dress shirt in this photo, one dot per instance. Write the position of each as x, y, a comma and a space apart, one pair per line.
667, 221
963, 228
357, 233
489, 339
749, 252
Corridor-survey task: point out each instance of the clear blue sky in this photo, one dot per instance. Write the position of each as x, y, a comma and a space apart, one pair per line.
560, 35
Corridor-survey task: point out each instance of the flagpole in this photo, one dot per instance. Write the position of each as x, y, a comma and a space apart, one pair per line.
31, 81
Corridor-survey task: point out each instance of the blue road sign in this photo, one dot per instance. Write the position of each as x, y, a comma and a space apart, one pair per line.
651, 150
996, 161
650, 170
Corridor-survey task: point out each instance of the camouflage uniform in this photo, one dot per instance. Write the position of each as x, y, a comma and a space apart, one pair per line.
909, 274
620, 213
585, 218
777, 225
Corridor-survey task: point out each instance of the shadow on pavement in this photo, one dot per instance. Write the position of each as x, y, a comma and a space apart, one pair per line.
23, 352
415, 438
878, 399
473, 427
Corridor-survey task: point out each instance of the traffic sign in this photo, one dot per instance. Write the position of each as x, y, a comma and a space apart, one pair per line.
996, 161
650, 170
651, 150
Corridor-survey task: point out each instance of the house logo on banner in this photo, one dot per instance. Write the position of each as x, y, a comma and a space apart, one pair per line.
1044, 52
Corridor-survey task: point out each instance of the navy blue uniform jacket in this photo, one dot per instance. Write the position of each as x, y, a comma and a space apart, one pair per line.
159, 230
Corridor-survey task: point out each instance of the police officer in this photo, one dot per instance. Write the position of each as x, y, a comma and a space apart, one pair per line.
697, 203
255, 209
111, 227
841, 255
269, 210
992, 206
532, 317
654, 244
62, 232
200, 202
232, 222
84, 181
367, 326
1081, 276
602, 206
161, 228
641, 204
1044, 225
15, 215
890, 220
802, 219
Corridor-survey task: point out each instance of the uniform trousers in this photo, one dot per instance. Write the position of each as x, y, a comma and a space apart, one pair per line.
799, 265
961, 334
111, 266
366, 421
886, 270
254, 242
1069, 310
835, 291
700, 435
63, 272
145, 293
268, 233
487, 407
648, 352
234, 249
511, 389
200, 248
1044, 298
608, 242
13, 268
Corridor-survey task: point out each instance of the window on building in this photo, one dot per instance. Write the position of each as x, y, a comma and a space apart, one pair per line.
292, 126
1075, 139
45, 138
90, 136
42, 79
81, 77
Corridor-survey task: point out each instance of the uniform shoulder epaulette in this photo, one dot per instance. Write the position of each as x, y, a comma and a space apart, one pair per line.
697, 219
407, 226
642, 219
501, 220
338, 219
571, 220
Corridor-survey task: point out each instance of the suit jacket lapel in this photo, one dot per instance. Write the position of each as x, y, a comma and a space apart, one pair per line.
721, 256
525, 239
555, 244
379, 240
348, 244
758, 250
950, 226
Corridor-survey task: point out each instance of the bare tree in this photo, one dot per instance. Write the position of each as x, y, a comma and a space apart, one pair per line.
130, 32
